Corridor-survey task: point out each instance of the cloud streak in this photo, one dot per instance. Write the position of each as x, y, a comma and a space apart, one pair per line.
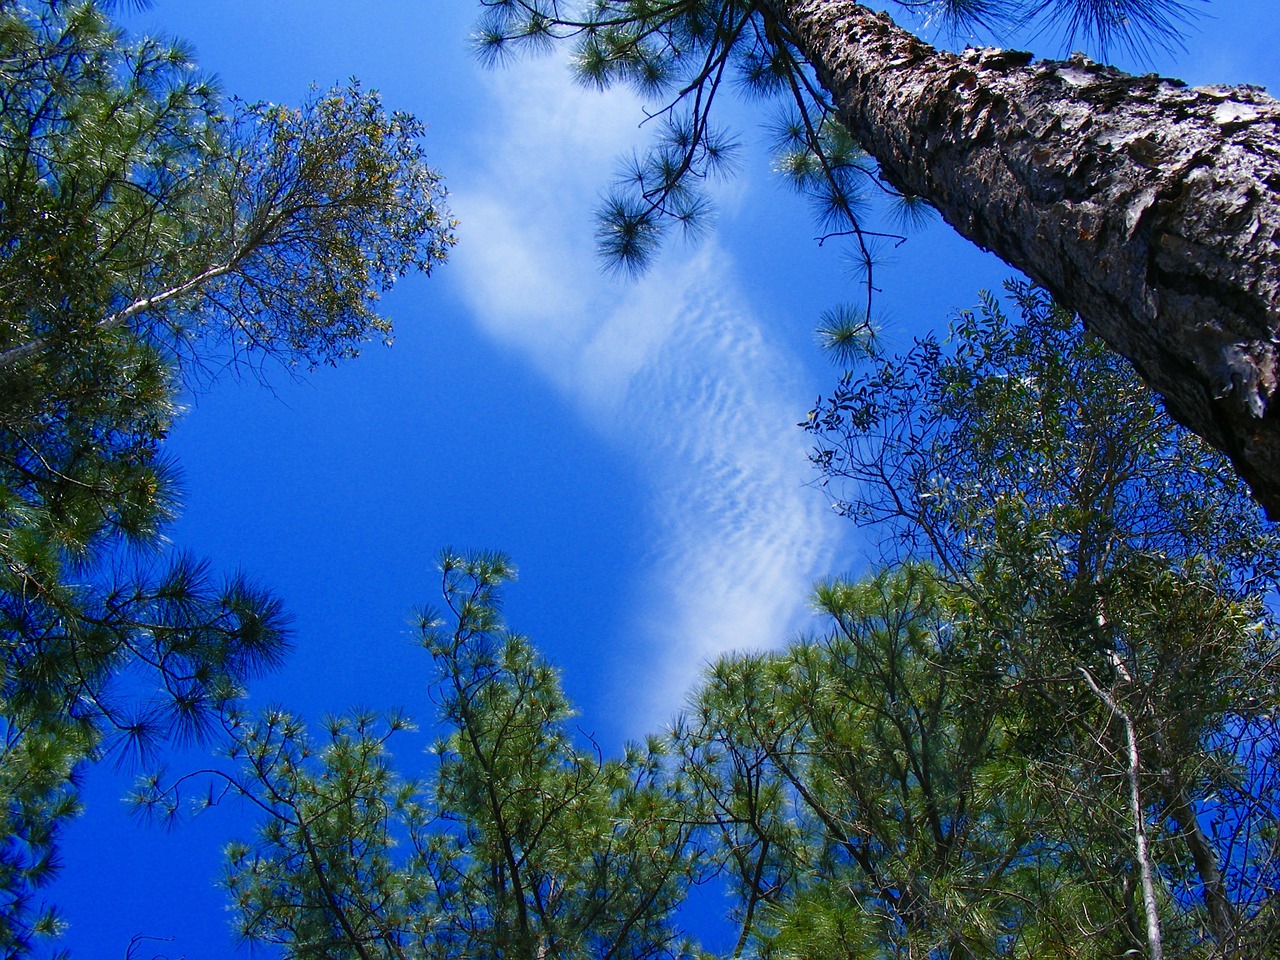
674, 369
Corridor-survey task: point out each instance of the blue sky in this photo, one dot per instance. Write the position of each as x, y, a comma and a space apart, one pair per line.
632, 445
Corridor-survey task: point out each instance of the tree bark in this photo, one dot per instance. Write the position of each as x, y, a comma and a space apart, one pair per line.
1222, 914
1150, 208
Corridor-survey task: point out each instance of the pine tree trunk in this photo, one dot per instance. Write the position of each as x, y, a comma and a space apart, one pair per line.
1149, 207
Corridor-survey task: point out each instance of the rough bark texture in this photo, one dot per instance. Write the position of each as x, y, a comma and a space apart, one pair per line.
1150, 208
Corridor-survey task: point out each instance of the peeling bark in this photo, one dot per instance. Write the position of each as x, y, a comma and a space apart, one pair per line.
1149, 207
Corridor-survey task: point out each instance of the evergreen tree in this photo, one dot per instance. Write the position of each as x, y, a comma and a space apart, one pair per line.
871, 799
150, 237
1145, 206
1047, 729
524, 844
1117, 573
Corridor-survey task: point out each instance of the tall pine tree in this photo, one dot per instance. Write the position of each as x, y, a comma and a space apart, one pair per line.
1149, 208
151, 236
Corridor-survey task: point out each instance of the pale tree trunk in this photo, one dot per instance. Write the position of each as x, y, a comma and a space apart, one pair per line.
24, 351
1141, 845
1149, 207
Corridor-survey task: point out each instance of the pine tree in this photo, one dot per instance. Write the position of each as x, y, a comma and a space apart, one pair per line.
525, 843
151, 236
870, 797
1147, 207
1046, 729
1116, 575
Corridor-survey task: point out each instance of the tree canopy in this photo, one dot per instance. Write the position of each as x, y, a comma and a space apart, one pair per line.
150, 236
524, 842
1117, 579
1045, 728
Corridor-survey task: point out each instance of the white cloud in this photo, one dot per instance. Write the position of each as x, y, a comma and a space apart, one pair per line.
674, 369
739, 538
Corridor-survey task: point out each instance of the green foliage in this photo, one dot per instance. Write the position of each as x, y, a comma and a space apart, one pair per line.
847, 334
37, 783
1070, 630
868, 797
1117, 570
326, 206
133, 204
149, 240
524, 844
324, 876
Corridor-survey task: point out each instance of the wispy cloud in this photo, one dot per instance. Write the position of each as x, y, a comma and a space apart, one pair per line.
675, 369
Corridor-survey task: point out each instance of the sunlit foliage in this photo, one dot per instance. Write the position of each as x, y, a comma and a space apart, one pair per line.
524, 843
1121, 577
150, 237
1045, 729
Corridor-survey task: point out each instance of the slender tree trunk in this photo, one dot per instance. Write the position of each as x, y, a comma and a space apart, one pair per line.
1141, 846
1142, 849
1150, 208
1222, 916
15, 355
